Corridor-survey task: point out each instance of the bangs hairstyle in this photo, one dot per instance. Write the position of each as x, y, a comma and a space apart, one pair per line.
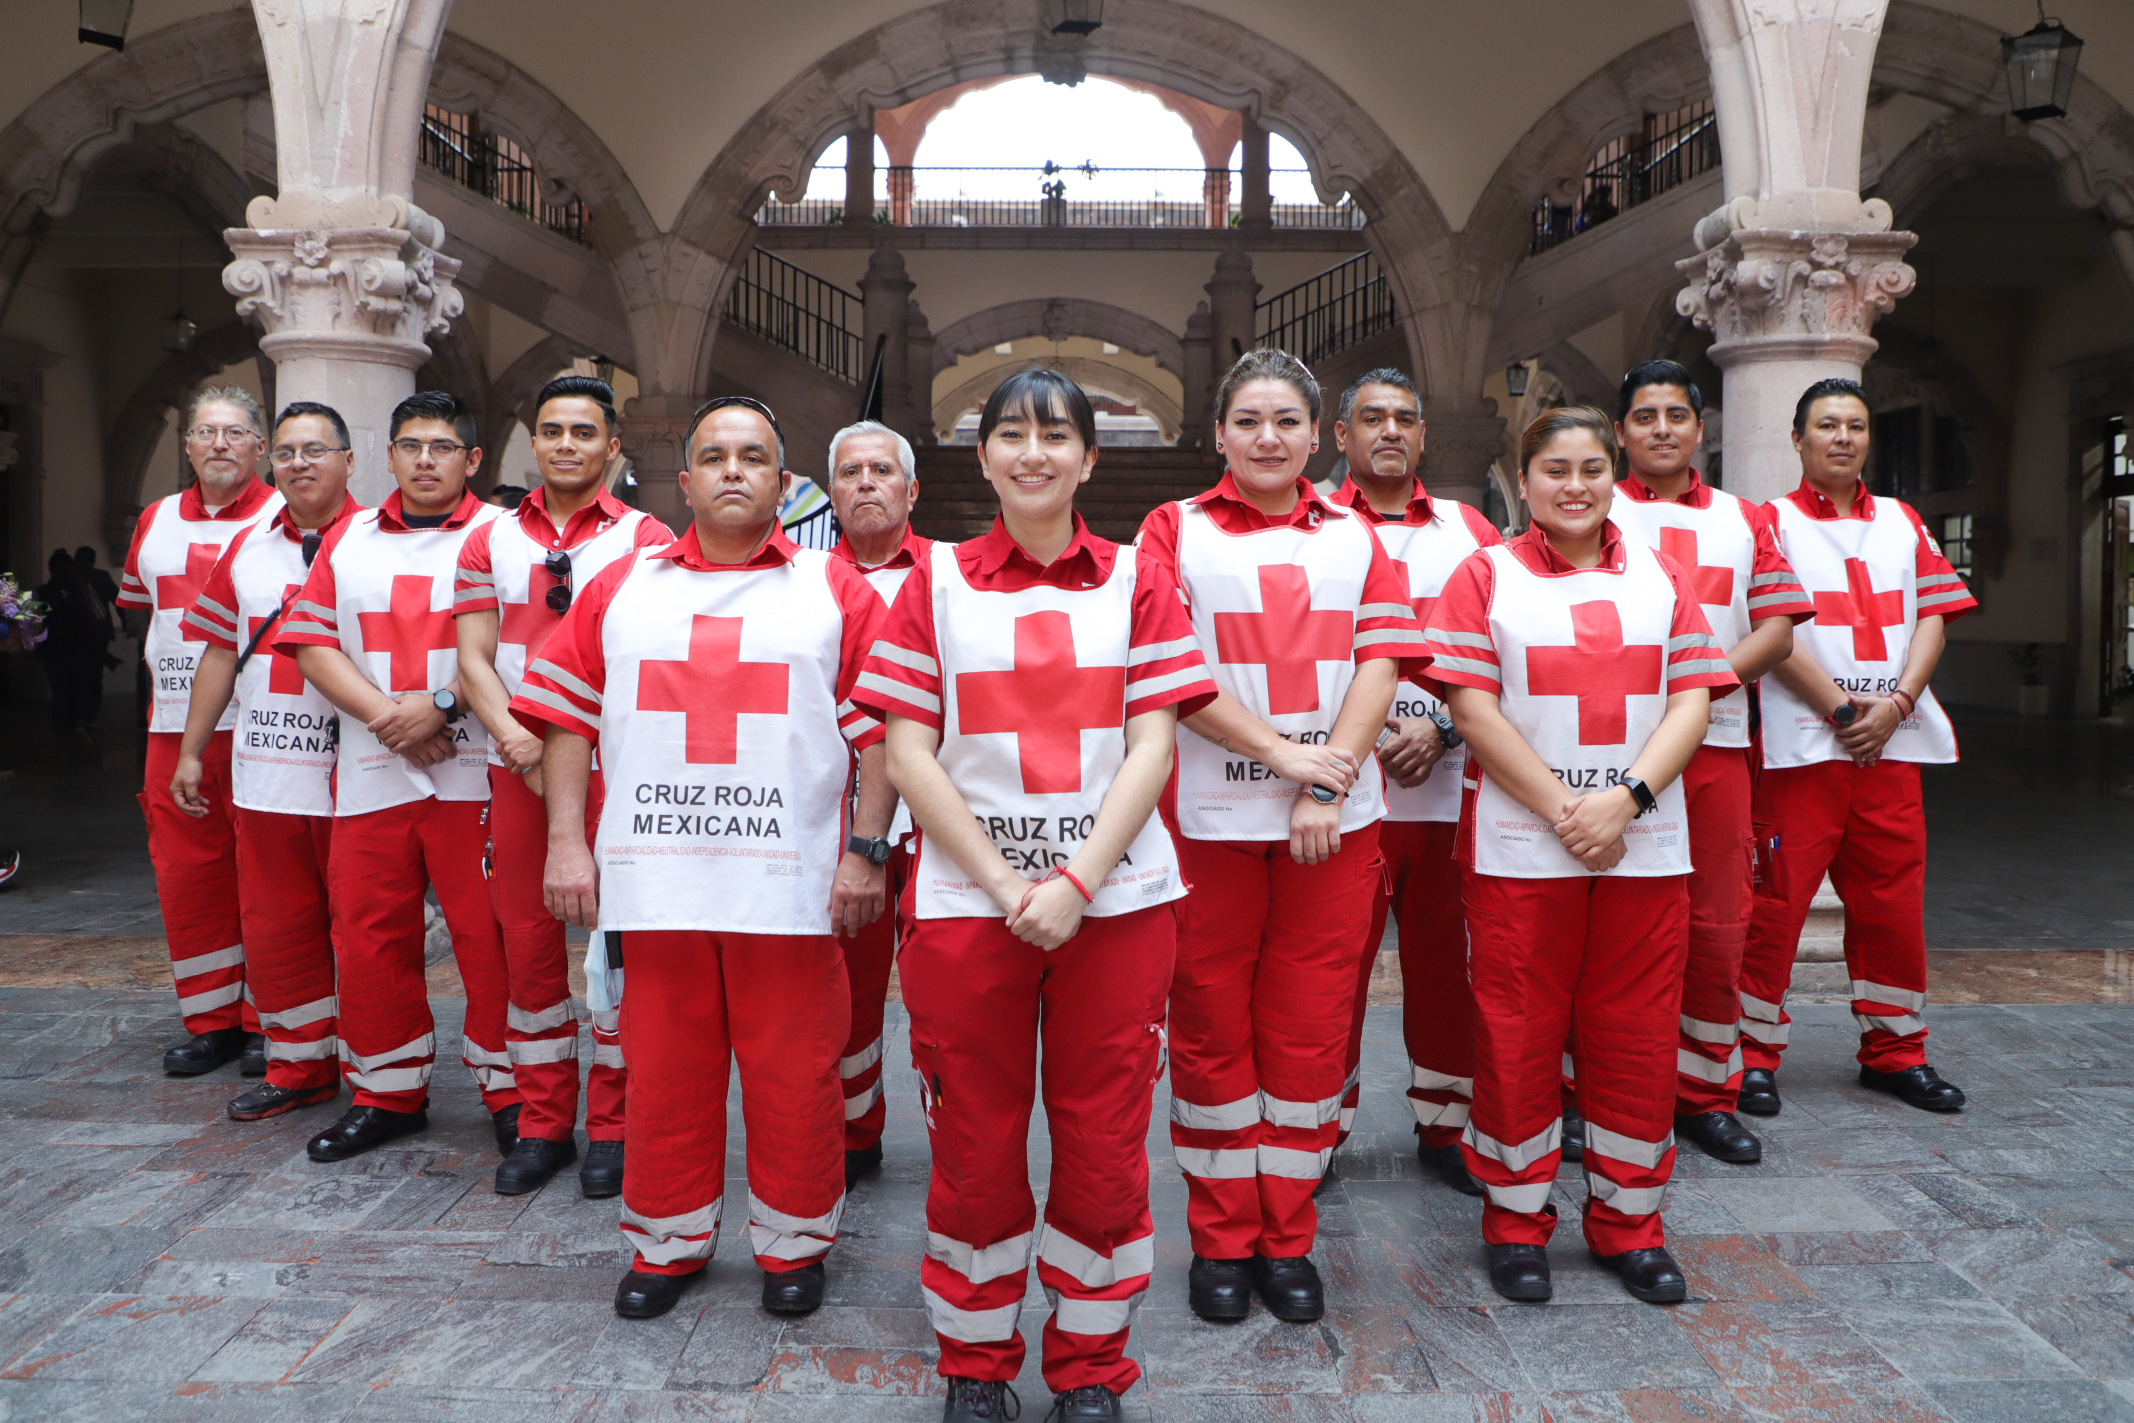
1267, 363
1562, 420
1048, 397
1823, 390
1657, 373
584, 388
437, 405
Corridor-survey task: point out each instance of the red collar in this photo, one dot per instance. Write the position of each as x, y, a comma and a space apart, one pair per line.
1235, 514
192, 506
777, 551
1810, 501
995, 558
906, 556
392, 520
1420, 510
1697, 496
348, 510
1533, 549
603, 512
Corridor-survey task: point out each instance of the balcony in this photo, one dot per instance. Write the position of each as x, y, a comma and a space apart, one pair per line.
1672, 149
498, 169
1051, 196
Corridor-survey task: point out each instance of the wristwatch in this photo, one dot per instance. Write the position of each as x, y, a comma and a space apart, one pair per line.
448, 702
1325, 795
875, 851
1639, 792
1845, 715
1448, 735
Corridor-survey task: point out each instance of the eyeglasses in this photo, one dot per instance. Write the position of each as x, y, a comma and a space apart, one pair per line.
439, 449
216, 434
558, 597
746, 402
311, 547
310, 454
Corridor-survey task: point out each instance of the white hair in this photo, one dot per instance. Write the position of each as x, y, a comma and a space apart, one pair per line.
906, 460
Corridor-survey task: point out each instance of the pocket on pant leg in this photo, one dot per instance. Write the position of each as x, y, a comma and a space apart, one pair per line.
926, 1063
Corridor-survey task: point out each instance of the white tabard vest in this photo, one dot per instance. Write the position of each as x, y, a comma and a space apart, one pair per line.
1426, 554
282, 757
1033, 710
1275, 611
1862, 575
175, 558
888, 582
719, 741
1583, 657
407, 577
1716, 547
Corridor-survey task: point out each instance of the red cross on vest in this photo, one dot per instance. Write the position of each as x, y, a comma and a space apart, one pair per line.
175, 591
1863, 610
410, 630
1046, 703
1598, 670
712, 687
1422, 605
528, 624
1289, 637
1712, 583
282, 677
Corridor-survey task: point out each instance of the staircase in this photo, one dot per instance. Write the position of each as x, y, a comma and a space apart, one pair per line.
955, 502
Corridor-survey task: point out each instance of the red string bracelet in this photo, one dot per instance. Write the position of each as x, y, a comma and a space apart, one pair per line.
1910, 705
1062, 872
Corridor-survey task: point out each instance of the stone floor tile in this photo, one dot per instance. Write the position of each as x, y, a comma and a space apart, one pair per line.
75, 1401
1836, 1403
2084, 1402
730, 1348
1968, 1201
1586, 1406
849, 1369
241, 1279
89, 1261
2078, 1200
1782, 1345
1955, 1341
584, 1284
391, 1263
467, 1404
255, 1403
1604, 1346
487, 1344
637, 1355
1258, 1355
1796, 1203
1465, 1350
578, 1251
1251, 1408
418, 1202
368, 1341
1885, 1280
274, 1342
1735, 1267
292, 1202
1855, 1247
2097, 1333
134, 1339
1442, 1269
28, 1319
1447, 1407
1672, 1405
117, 1133
2014, 1262
677, 1406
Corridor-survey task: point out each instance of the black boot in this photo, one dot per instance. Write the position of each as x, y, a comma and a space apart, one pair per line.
1520, 1272
506, 1125
204, 1052
363, 1128
1574, 1135
1449, 1165
979, 1401
1921, 1086
1721, 1136
794, 1291
864, 1162
1759, 1093
532, 1162
601, 1175
1219, 1290
258, 1103
254, 1061
1651, 1275
643, 1295
1290, 1287
1089, 1401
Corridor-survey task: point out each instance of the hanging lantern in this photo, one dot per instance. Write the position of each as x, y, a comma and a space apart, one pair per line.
2041, 69
1515, 379
1074, 17
604, 369
104, 22
179, 332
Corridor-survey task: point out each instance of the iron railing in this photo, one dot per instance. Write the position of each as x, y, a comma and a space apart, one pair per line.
497, 168
1336, 309
793, 308
1672, 149
1054, 196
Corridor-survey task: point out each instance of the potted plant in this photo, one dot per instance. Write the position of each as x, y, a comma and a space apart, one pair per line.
2032, 696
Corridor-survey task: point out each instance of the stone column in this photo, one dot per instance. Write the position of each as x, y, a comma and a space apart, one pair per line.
919, 377
1198, 380
653, 432
887, 292
1233, 297
671, 290
1459, 445
1255, 198
859, 177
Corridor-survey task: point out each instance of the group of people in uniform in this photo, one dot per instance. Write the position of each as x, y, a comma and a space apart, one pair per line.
1109, 811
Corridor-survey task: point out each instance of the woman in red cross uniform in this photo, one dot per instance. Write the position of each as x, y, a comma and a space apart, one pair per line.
1306, 624
1580, 669
1030, 680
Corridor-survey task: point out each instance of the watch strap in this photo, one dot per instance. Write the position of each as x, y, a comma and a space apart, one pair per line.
1641, 793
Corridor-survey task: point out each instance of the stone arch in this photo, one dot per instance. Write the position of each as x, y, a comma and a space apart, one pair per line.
138, 427
1056, 318
1086, 371
511, 393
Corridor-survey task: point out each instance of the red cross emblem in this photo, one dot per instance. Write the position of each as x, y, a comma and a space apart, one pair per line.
1863, 610
1423, 605
1598, 670
711, 688
528, 624
282, 677
1712, 582
408, 631
175, 591
1289, 637
1045, 703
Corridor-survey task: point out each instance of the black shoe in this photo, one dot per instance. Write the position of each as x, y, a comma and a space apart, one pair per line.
1450, 1166
254, 1061
532, 1162
1290, 1287
266, 1100
506, 1125
864, 1162
204, 1052
970, 1400
1921, 1086
1219, 1290
1520, 1272
1721, 1136
1574, 1135
794, 1291
1759, 1093
1651, 1275
1089, 1401
601, 1175
362, 1128
643, 1295
1328, 1179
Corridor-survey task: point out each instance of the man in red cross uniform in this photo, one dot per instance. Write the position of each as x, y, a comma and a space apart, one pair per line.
517, 576
281, 769
873, 485
372, 630
1379, 426
175, 547
714, 675
1848, 719
1752, 599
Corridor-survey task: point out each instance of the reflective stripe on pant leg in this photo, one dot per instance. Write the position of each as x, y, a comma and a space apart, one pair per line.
673, 1239
1439, 1100
197, 884
1799, 817
1517, 1176
1880, 874
788, 1237
1631, 1176
403, 1069
1708, 1057
452, 835
1437, 1009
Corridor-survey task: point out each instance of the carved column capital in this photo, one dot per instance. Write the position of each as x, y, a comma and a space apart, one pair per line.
1458, 450
364, 293
1778, 295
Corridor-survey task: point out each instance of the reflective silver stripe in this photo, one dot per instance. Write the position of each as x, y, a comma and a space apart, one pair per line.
475, 575
208, 962
1930, 601
1765, 580
1527, 1199
1700, 667
1367, 637
1093, 1316
1765, 600
315, 611
608, 1055
530, 1050
1459, 639
607, 1020
1347, 1119
1157, 651
280, 1051
1626, 1149
1570, 1068
424, 1046
1228, 1164
1132, 1259
486, 594
1630, 1200
905, 657
542, 667
543, 1020
1754, 1007
1222, 1116
475, 1055
1521, 1155
979, 1263
1429, 1080
202, 603
1882, 993
541, 696
1384, 610
761, 1212
1930, 580
665, 1240
1469, 664
391, 1079
493, 1079
1355, 1077
1293, 1164
1903, 1026
1769, 1034
1687, 640
898, 691
1705, 1032
212, 998
208, 625
301, 1016
971, 1326
1277, 1112
855, 1106
1150, 686
860, 1061
1438, 1114
1691, 1064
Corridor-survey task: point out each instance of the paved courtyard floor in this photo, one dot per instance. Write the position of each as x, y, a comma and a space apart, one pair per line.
160, 1262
